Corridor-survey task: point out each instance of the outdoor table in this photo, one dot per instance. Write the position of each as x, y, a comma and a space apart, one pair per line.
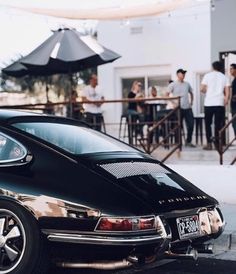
152, 108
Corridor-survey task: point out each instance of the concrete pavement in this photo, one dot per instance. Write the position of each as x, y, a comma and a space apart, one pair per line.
218, 181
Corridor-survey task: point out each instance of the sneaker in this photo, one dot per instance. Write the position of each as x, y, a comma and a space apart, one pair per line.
208, 147
190, 145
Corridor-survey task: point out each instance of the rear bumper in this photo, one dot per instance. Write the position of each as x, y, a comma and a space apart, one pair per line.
104, 240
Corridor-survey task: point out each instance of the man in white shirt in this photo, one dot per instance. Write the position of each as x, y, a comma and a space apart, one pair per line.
216, 87
93, 111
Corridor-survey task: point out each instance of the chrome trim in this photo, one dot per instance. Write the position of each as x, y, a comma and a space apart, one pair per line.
107, 265
12, 161
191, 254
100, 240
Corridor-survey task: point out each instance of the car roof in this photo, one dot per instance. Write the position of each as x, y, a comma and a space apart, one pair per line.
11, 116
6, 114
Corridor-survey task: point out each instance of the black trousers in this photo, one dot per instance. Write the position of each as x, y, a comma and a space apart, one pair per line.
94, 120
187, 115
233, 111
218, 112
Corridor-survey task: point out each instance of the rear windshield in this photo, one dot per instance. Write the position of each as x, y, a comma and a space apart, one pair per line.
74, 139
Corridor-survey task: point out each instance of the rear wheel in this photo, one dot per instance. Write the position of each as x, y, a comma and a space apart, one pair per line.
21, 243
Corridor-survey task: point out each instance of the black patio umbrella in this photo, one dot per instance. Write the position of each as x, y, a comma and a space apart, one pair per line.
16, 69
67, 51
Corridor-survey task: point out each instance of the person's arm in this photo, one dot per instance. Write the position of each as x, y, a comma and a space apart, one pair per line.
227, 91
203, 87
102, 99
170, 89
170, 93
226, 95
191, 95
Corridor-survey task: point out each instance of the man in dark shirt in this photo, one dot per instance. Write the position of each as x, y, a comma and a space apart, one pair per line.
233, 95
132, 107
134, 115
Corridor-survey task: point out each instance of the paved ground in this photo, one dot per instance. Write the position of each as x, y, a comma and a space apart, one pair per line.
203, 266
196, 156
218, 181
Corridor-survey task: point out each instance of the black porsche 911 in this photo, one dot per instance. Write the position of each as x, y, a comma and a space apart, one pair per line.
82, 199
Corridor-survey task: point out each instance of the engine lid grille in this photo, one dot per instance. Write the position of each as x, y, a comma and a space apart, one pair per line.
128, 169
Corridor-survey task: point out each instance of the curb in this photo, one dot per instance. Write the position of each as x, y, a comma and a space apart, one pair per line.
225, 242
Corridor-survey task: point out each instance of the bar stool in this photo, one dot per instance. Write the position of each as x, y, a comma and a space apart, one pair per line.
199, 128
123, 126
99, 119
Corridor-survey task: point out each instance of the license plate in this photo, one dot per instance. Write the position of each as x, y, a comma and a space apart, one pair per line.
188, 226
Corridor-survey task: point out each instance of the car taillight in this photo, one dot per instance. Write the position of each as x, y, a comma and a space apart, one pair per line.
126, 224
210, 221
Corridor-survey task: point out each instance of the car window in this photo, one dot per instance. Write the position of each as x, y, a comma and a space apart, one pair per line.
72, 138
10, 149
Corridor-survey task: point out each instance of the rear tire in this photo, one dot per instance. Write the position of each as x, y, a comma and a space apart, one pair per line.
22, 246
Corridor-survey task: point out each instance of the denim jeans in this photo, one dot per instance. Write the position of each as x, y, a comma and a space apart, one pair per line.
187, 115
218, 112
233, 111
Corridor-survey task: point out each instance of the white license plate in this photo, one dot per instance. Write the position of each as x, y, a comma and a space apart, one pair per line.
188, 227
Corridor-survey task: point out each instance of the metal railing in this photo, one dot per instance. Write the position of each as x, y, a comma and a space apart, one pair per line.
170, 139
223, 149
172, 131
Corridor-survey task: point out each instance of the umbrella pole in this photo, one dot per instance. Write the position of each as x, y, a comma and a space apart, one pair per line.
70, 94
47, 89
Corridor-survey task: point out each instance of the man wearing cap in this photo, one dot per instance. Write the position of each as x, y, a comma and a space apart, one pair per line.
183, 89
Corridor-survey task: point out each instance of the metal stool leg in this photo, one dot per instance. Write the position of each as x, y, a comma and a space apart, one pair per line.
103, 124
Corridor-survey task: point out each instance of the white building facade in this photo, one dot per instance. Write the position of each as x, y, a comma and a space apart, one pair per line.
152, 49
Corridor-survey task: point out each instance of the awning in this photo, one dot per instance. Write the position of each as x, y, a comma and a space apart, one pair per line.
97, 9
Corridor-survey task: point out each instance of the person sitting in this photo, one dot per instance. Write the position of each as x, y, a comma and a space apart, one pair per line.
136, 109
151, 113
74, 109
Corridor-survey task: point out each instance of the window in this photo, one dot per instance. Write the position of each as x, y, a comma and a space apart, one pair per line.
10, 150
160, 83
71, 138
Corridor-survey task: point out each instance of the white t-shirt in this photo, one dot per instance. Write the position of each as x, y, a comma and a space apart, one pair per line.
216, 83
92, 94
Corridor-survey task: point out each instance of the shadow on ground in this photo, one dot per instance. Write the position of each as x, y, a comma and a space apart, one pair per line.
202, 266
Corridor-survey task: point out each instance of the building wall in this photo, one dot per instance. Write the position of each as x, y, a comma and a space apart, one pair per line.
223, 36
164, 44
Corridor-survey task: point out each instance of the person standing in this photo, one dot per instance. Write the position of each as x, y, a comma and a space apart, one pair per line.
93, 111
233, 95
216, 87
184, 90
